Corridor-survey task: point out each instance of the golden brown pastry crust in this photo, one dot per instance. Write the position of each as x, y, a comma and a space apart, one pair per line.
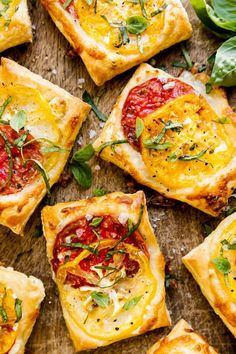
19, 30
209, 195
15, 209
55, 218
30, 291
182, 339
198, 262
102, 63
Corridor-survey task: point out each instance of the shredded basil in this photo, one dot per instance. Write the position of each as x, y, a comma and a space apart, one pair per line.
3, 314
9, 154
18, 121
43, 172
139, 127
99, 192
18, 309
80, 245
132, 302
4, 105
88, 99
101, 299
186, 56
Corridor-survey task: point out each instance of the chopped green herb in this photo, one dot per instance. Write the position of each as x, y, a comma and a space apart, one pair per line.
88, 99
139, 127
201, 68
208, 87
158, 11
18, 121
105, 267
222, 265
136, 24
9, 155
227, 245
173, 157
230, 211
194, 157
18, 309
19, 142
101, 299
110, 143
132, 302
223, 120
80, 245
96, 222
99, 192
3, 314
155, 142
83, 174
142, 5
4, 105
186, 55
43, 172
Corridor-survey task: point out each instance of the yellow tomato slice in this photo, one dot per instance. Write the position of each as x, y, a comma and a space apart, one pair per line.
200, 132
117, 11
7, 334
8, 11
40, 119
113, 320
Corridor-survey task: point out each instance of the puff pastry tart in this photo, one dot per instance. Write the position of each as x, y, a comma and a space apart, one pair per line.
108, 268
171, 136
113, 36
20, 299
213, 265
182, 339
15, 25
38, 125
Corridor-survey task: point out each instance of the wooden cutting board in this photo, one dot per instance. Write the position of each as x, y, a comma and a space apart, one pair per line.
178, 228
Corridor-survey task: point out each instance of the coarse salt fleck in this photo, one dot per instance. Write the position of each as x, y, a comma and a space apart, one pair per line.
123, 217
97, 168
92, 134
88, 217
169, 85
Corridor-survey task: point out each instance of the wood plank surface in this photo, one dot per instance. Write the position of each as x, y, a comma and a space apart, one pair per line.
178, 228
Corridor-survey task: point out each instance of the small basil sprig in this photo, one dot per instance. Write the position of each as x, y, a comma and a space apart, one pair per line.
101, 299
43, 172
198, 157
155, 142
224, 69
132, 302
81, 171
222, 265
96, 221
186, 55
10, 159
3, 314
18, 121
88, 99
4, 105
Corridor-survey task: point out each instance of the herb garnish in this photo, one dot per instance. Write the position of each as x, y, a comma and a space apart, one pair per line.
155, 142
101, 299
43, 172
88, 99
80, 245
66, 4
18, 309
223, 120
99, 192
18, 121
132, 302
9, 154
96, 222
3, 314
4, 105
198, 157
131, 229
139, 127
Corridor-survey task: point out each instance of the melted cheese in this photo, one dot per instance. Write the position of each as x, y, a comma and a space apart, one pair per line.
199, 132
118, 11
112, 321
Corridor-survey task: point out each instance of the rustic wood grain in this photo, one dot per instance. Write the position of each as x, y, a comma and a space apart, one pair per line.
178, 228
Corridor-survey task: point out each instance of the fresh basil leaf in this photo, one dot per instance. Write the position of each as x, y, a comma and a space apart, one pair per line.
99, 192
136, 24
228, 246
226, 12
223, 120
186, 55
43, 172
132, 302
18, 121
18, 309
4, 105
173, 157
66, 4
88, 99
84, 154
202, 10
19, 142
101, 299
222, 265
3, 314
83, 174
224, 69
80, 245
139, 127
96, 222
